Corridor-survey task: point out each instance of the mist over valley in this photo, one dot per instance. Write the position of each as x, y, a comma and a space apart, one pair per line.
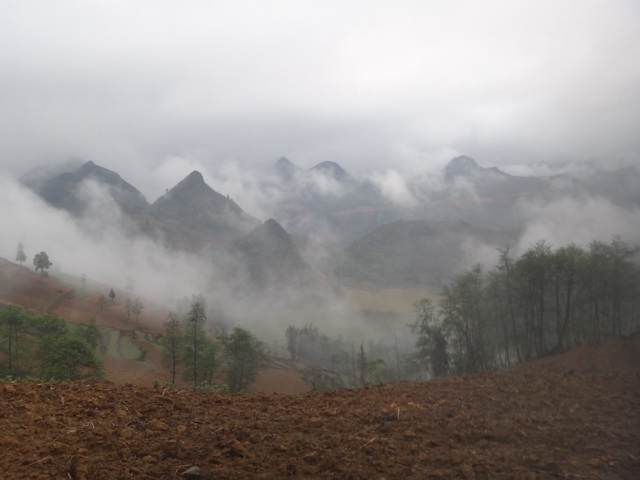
320, 235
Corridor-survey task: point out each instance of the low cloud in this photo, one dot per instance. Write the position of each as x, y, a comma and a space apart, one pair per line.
97, 247
394, 187
570, 220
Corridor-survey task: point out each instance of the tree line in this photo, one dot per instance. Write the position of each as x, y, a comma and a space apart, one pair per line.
543, 302
46, 348
224, 361
336, 362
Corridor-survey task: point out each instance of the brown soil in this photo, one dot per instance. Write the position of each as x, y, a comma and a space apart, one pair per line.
279, 380
531, 423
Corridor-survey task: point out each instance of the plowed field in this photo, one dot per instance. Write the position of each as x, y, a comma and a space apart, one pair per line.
539, 421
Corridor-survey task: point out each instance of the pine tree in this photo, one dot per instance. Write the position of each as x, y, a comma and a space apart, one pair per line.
244, 356
20, 255
195, 324
172, 341
42, 263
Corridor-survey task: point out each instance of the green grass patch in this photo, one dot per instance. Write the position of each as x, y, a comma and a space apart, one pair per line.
119, 344
109, 340
128, 348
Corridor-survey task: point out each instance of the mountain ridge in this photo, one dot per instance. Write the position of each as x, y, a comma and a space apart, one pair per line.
193, 217
332, 170
64, 190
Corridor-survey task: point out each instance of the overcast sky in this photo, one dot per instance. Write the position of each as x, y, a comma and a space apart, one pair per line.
141, 86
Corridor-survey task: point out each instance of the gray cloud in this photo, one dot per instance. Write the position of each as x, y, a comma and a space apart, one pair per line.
372, 85
569, 220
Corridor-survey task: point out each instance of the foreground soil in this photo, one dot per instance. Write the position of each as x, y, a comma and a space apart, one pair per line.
538, 421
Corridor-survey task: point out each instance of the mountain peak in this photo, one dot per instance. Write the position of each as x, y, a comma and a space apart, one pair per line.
276, 230
194, 191
195, 177
461, 166
91, 169
331, 169
62, 191
285, 168
284, 162
192, 215
191, 184
272, 257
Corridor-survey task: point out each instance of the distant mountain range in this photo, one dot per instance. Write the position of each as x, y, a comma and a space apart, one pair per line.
464, 190
373, 236
191, 217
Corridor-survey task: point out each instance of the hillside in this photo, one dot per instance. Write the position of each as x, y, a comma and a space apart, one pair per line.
130, 349
543, 420
271, 258
417, 252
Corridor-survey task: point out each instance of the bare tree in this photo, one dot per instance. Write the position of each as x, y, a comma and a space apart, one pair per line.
136, 309
103, 305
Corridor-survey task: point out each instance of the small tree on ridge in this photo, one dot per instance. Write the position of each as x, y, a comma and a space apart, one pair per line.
20, 255
42, 263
